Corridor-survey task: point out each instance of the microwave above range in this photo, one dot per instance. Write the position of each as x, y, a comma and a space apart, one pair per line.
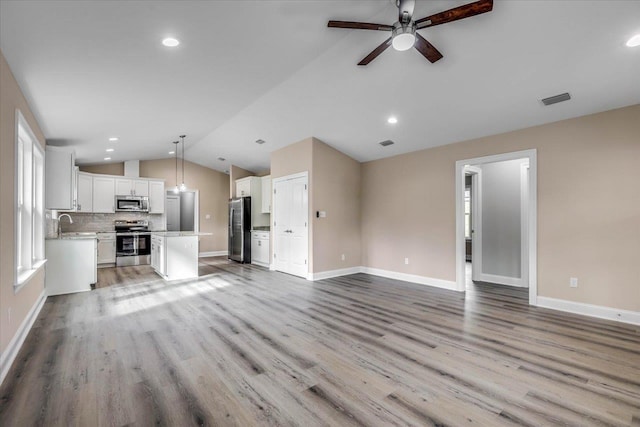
132, 204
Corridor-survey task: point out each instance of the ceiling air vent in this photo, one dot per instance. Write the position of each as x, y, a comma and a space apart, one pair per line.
387, 143
222, 159
556, 98
260, 141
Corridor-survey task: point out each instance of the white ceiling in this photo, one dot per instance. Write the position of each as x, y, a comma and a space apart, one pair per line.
272, 70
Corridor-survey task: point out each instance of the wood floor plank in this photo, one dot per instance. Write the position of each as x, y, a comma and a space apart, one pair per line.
244, 346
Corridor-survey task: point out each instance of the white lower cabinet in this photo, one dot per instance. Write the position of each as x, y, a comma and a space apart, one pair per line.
106, 249
260, 248
71, 265
158, 259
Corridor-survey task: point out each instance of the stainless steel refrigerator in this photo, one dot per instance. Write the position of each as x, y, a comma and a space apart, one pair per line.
240, 229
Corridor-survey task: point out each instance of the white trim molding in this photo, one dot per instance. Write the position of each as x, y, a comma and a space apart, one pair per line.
501, 280
532, 203
9, 355
413, 278
599, 311
213, 253
334, 273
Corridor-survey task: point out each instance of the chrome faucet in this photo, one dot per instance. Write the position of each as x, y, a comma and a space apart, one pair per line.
60, 222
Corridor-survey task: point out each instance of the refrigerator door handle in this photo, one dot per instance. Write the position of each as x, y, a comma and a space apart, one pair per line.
231, 223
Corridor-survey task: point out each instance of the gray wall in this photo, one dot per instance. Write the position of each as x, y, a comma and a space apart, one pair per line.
501, 218
187, 210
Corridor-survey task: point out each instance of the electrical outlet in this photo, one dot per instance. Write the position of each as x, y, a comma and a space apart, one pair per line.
343, 257
573, 282
207, 216
406, 261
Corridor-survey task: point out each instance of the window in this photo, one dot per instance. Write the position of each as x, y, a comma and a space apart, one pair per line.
29, 202
467, 213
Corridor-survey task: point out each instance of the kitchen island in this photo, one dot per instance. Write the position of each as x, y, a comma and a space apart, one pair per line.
174, 254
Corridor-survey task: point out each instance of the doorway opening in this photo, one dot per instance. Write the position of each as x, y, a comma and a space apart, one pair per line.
182, 210
496, 221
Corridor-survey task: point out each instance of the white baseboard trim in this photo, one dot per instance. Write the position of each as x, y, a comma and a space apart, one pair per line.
214, 253
500, 280
598, 311
333, 273
9, 354
414, 278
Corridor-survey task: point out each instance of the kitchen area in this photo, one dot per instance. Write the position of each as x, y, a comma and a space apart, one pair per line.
109, 221
250, 221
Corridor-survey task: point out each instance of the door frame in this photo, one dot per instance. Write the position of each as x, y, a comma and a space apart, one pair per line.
532, 202
476, 220
272, 227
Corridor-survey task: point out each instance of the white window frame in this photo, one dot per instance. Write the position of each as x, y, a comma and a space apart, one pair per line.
29, 243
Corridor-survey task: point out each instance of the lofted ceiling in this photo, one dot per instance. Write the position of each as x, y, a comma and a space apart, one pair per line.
272, 70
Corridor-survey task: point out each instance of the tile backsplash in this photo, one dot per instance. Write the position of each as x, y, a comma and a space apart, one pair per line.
103, 222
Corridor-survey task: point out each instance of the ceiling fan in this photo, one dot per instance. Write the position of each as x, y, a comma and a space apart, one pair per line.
403, 32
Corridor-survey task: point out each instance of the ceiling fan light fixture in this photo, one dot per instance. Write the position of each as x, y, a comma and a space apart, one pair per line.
404, 36
634, 41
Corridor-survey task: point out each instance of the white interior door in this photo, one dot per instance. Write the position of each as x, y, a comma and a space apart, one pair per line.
291, 224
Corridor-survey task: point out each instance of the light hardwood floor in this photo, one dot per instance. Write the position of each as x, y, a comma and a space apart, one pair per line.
244, 346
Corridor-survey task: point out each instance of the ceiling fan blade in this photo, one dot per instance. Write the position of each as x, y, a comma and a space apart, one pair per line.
377, 51
359, 25
461, 12
427, 49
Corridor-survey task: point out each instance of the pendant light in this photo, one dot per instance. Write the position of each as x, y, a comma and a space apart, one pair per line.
176, 189
183, 186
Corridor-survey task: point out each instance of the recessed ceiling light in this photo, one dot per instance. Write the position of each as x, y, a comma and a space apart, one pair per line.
392, 120
170, 42
260, 141
634, 41
172, 152
107, 158
222, 159
109, 150
113, 139
386, 143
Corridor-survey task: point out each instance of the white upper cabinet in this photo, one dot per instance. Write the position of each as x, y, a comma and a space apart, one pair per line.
60, 178
104, 194
266, 194
156, 197
140, 187
251, 186
132, 187
243, 187
85, 192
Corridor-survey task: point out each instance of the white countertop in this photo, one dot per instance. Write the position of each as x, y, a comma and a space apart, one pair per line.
74, 236
179, 233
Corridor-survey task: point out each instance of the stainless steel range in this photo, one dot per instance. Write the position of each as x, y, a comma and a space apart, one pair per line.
133, 242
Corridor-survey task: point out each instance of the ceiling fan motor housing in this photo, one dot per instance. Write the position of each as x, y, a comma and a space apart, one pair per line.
404, 35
